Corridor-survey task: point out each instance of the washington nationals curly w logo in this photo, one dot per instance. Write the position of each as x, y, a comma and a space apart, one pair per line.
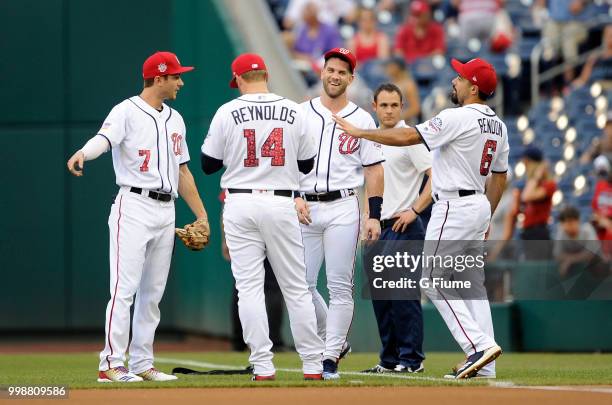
176, 143
348, 144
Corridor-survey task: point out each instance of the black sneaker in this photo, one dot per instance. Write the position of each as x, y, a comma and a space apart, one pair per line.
477, 361
330, 370
377, 369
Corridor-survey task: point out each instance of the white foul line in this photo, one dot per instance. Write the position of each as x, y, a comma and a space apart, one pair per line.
495, 383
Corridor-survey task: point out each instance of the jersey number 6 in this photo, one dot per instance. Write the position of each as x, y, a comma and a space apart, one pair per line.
272, 147
487, 157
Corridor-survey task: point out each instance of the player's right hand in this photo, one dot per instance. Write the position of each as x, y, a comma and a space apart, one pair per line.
75, 163
303, 211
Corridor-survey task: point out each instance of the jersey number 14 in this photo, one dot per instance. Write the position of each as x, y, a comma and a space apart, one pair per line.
272, 148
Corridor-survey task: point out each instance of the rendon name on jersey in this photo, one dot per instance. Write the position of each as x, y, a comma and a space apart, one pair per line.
469, 142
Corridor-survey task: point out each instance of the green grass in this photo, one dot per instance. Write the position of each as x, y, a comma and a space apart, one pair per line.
79, 370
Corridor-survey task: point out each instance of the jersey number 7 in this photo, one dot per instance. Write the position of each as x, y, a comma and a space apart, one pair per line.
272, 147
487, 156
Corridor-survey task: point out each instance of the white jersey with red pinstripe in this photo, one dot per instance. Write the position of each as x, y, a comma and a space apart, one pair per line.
260, 137
148, 146
341, 158
468, 143
334, 232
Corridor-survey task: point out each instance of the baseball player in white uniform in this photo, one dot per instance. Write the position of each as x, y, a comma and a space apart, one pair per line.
329, 210
261, 140
148, 143
470, 162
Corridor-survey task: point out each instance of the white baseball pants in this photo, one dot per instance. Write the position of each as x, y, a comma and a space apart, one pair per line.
256, 226
333, 236
141, 242
469, 321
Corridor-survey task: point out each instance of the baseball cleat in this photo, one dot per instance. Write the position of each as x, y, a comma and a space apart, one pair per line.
154, 374
377, 369
453, 376
257, 377
313, 377
346, 349
403, 369
117, 374
330, 370
477, 361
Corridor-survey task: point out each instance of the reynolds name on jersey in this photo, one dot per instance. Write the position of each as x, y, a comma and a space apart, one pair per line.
263, 113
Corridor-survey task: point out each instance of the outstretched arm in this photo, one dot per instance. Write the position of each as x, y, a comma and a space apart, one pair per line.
92, 149
391, 137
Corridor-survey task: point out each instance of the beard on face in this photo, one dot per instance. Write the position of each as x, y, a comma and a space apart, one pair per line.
334, 92
453, 96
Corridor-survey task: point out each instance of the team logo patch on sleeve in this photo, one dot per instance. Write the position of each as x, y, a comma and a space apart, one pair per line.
435, 124
105, 127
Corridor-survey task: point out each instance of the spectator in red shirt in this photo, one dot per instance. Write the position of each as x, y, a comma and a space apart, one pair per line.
534, 201
536, 197
369, 42
420, 36
602, 199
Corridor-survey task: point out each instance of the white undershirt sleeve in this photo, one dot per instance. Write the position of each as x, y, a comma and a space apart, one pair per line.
95, 147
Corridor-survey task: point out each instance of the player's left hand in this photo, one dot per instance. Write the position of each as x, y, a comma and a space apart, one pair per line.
195, 235
346, 126
372, 229
403, 220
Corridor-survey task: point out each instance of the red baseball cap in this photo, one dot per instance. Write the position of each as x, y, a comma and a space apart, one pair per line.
419, 7
246, 63
343, 54
478, 72
162, 64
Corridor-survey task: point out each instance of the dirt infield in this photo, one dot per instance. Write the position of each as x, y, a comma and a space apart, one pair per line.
348, 395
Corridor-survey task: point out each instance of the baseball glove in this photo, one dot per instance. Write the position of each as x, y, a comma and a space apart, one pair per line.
195, 235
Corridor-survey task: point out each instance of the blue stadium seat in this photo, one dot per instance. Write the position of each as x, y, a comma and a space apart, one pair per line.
445, 76
600, 73
423, 71
373, 73
498, 61
460, 52
586, 128
517, 11
424, 91
526, 46
539, 110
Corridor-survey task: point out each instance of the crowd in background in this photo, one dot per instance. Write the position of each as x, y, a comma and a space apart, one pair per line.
392, 39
